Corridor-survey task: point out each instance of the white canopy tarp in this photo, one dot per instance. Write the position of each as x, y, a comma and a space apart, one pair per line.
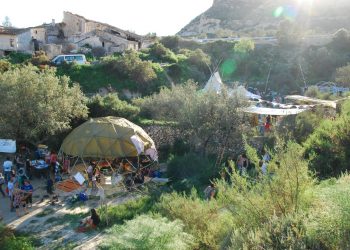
301, 98
250, 95
7, 146
214, 83
272, 111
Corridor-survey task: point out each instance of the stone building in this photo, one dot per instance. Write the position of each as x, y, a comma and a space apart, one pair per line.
83, 32
21, 40
73, 34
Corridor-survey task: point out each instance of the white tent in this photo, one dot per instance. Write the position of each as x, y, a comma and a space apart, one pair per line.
214, 83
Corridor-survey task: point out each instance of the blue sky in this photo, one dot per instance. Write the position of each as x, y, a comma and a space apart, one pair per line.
165, 17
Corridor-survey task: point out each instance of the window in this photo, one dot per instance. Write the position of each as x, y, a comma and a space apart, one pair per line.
79, 58
12, 43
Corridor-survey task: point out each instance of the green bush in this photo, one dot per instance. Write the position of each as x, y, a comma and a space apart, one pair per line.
159, 52
4, 65
277, 233
328, 148
120, 213
202, 219
9, 241
17, 57
111, 105
328, 225
147, 232
191, 170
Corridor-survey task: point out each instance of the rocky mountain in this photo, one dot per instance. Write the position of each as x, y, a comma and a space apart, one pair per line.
262, 17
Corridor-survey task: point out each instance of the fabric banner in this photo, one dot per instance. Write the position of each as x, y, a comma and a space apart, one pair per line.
7, 146
138, 143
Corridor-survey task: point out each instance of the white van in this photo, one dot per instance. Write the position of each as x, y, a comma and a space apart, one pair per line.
77, 58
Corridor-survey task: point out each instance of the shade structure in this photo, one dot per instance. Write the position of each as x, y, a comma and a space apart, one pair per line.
107, 137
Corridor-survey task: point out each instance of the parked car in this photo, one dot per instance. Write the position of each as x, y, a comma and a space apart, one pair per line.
77, 58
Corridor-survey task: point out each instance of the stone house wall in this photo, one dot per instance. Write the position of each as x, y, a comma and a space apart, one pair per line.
6, 44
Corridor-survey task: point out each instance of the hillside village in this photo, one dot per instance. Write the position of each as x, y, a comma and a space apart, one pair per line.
71, 35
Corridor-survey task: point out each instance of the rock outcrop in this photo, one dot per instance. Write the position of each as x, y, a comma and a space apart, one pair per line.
262, 17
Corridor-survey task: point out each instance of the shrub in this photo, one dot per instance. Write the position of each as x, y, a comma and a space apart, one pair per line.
149, 232
9, 241
277, 233
111, 105
118, 214
40, 58
191, 169
17, 57
284, 191
201, 218
4, 65
328, 147
161, 53
328, 225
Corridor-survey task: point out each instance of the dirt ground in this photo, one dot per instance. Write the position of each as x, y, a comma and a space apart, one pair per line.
54, 224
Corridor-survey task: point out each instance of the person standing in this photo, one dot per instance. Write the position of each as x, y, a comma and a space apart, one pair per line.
7, 167
2, 181
10, 188
209, 192
27, 189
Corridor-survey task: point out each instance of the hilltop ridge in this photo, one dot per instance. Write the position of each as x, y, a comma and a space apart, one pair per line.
262, 17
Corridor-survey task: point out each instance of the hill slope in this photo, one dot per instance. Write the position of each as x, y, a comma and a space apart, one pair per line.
262, 17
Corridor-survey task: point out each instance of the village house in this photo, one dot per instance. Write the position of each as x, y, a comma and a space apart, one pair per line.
75, 33
21, 40
83, 32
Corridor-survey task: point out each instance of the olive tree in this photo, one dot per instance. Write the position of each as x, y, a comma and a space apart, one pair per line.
207, 119
35, 104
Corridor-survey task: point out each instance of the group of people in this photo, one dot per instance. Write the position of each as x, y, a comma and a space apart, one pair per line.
18, 188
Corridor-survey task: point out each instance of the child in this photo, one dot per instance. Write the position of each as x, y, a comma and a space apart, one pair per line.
18, 203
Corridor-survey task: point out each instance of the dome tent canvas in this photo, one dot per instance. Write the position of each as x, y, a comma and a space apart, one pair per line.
107, 137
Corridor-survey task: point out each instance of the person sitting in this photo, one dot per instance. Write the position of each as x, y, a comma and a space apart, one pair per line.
89, 223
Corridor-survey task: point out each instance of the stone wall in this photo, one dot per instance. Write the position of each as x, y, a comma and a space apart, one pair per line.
162, 135
5, 42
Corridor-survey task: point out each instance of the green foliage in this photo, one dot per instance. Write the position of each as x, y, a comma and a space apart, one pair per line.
244, 46
301, 126
328, 147
202, 219
343, 75
171, 42
191, 170
111, 105
204, 117
9, 241
40, 58
17, 57
35, 103
328, 225
341, 41
118, 214
283, 192
312, 92
147, 232
159, 52
130, 66
4, 65
277, 233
